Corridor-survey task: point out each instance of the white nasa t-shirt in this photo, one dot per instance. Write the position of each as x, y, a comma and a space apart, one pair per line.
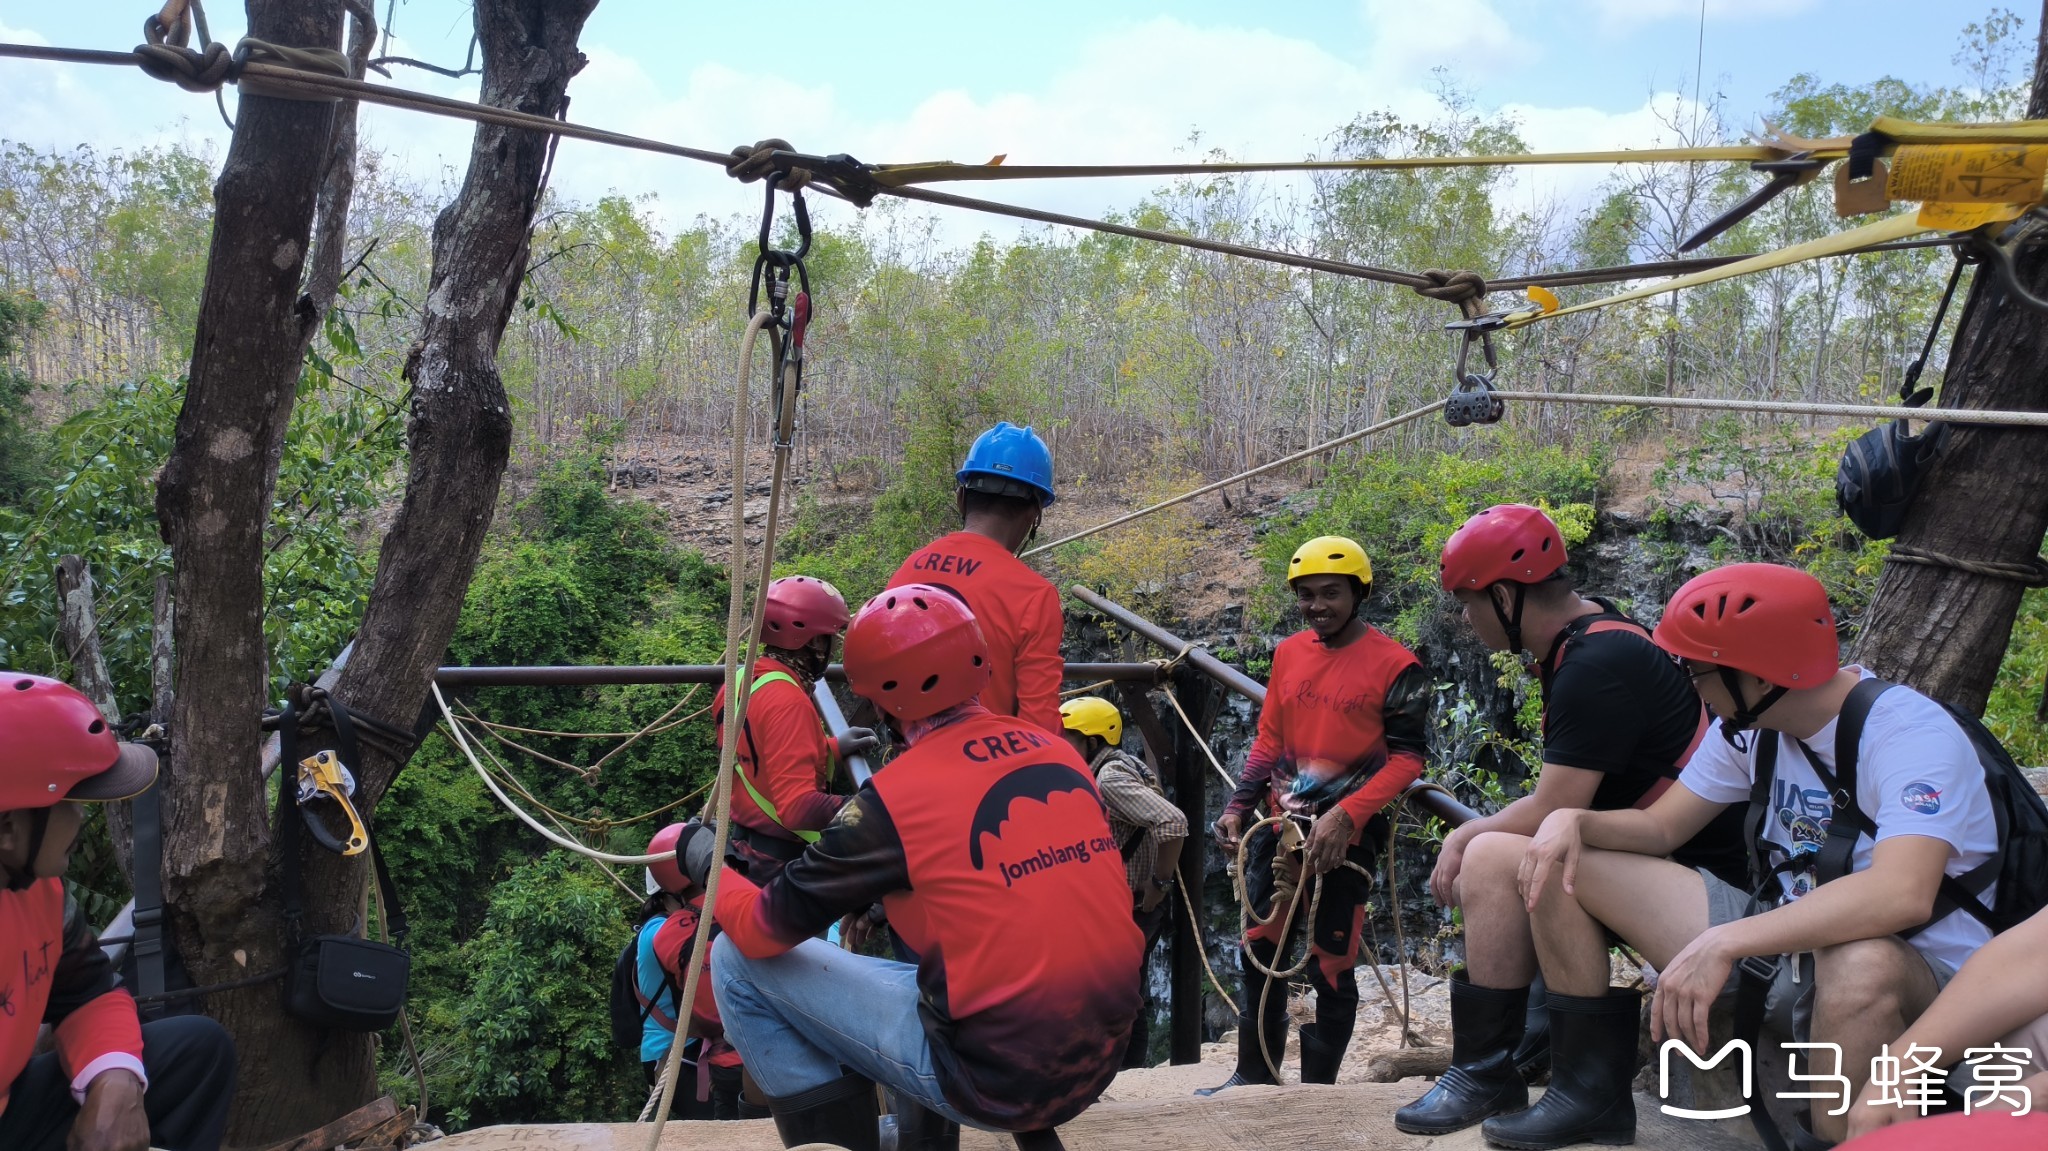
1916, 774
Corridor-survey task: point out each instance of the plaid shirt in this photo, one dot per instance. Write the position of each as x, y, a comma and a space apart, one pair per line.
1136, 805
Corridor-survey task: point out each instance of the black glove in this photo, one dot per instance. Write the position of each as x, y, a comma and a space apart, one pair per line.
693, 851
857, 741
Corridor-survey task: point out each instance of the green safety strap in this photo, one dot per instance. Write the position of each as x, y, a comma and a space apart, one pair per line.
766, 805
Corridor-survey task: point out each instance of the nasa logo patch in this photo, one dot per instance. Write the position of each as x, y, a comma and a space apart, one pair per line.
1921, 796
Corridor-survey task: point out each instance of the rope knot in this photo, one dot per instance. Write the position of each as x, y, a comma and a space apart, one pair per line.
1465, 289
751, 162
194, 70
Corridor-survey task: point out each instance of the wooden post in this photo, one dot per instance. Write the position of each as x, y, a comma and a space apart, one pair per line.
1198, 696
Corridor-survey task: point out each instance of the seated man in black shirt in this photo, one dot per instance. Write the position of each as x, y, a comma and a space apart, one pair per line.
1620, 718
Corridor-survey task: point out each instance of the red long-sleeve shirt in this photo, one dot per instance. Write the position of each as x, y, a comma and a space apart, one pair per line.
53, 971
1019, 614
785, 752
1329, 711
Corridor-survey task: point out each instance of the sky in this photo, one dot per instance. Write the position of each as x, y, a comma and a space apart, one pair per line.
1052, 81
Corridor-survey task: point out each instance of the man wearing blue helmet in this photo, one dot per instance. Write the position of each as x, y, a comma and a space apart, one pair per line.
1005, 486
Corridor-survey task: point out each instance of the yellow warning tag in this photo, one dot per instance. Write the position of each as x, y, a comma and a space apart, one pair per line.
1968, 173
1543, 298
1963, 217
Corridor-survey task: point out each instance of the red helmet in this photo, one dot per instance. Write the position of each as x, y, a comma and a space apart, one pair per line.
667, 875
1770, 621
54, 746
915, 651
799, 610
1512, 542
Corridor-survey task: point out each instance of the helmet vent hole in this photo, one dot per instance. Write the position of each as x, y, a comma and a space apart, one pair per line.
97, 726
888, 685
22, 685
891, 602
1721, 605
977, 661
1545, 545
1748, 601
1517, 557
919, 601
1700, 610
1336, 555
930, 682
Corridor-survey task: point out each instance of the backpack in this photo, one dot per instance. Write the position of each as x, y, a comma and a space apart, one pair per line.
2019, 867
629, 1009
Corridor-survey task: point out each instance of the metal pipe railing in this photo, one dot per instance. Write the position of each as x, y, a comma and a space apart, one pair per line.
580, 675
1426, 797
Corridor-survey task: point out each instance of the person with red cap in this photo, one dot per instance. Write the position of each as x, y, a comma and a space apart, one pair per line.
1005, 485
662, 951
112, 1083
1619, 720
987, 844
786, 757
1848, 936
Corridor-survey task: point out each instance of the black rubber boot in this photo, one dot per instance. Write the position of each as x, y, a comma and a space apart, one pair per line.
1319, 1060
1532, 1055
1481, 1081
1592, 1069
1251, 1058
919, 1128
841, 1112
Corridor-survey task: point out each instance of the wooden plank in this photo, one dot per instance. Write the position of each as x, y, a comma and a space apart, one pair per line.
352, 1126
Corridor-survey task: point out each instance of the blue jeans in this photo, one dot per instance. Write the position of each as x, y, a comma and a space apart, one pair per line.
799, 1017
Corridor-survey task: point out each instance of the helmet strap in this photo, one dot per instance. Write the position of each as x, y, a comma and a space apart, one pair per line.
38, 830
1510, 622
1746, 714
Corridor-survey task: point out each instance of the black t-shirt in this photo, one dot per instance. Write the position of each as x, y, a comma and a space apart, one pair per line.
1620, 705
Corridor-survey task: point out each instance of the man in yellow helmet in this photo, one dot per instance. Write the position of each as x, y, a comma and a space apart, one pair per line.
1148, 830
1343, 731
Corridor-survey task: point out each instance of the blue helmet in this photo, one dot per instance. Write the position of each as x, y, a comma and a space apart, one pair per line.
1007, 460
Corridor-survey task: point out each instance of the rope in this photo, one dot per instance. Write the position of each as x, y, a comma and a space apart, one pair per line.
1196, 732
739, 664
2032, 573
1262, 469
591, 772
596, 826
1994, 418
654, 728
1465, 290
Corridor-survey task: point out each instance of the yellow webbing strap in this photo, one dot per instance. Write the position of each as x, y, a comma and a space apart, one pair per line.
1968, 173
1892, 228
942, 171
2004, 132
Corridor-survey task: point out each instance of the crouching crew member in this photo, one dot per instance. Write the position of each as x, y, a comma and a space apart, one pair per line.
786, 758
1852, 918
986, 843
1342, 733
112, 1084
1005, 487
1620, 718
667, 942
1148, 831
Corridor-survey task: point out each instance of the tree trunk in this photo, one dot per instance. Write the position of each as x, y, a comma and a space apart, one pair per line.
1940, 629
291, 162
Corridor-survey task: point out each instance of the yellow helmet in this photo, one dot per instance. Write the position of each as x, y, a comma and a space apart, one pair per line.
1093, 715
1330, 555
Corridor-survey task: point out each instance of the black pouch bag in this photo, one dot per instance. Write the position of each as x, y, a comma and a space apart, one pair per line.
341, 982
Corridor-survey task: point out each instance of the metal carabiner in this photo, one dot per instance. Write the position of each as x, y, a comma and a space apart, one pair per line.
773, 265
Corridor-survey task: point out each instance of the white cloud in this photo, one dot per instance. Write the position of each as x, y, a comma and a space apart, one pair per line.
1411, 39
1132, 92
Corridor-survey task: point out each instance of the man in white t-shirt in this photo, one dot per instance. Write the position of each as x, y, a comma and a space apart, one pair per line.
1857, 958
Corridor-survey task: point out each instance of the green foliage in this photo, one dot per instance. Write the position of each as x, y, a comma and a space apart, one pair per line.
2011, 713
20, 451
1402, 507
533, 1039
339, 453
